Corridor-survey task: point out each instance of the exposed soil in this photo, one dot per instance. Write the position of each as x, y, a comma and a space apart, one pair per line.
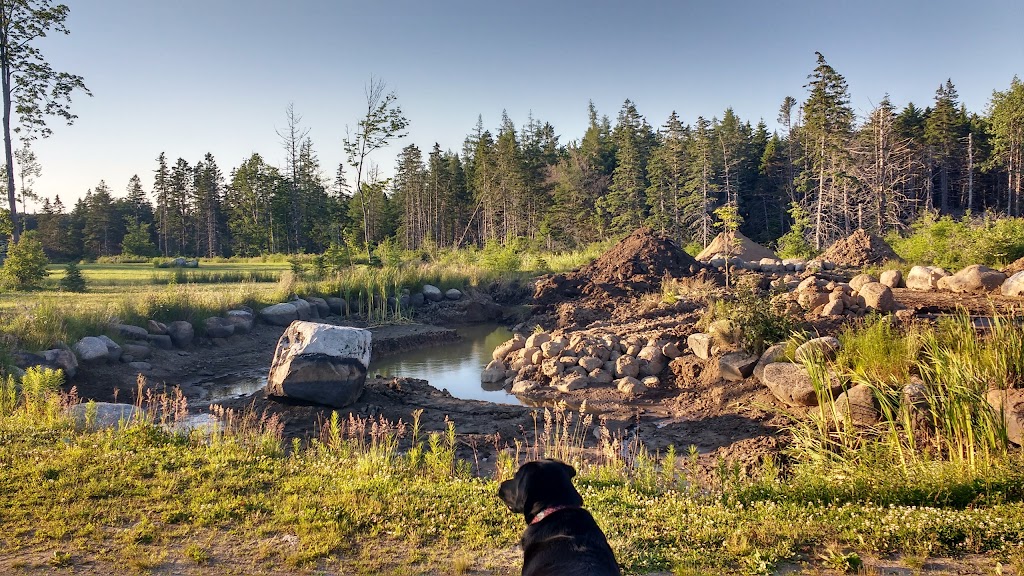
859, 249
1014, 267
736, 244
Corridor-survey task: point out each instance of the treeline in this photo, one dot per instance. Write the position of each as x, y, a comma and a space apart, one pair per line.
825, 170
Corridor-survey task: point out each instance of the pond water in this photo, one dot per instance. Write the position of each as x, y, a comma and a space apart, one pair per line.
455, 366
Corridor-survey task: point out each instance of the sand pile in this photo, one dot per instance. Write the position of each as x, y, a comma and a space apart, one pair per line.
860, 249
741, 247
636, 264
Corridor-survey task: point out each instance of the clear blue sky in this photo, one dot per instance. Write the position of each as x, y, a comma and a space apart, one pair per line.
188, 77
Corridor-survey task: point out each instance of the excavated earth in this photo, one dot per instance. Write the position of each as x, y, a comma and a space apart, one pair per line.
619, 294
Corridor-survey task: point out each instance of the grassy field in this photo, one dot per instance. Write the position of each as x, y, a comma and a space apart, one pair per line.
142, 500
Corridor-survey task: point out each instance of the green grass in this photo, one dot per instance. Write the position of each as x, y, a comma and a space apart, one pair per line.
141, 496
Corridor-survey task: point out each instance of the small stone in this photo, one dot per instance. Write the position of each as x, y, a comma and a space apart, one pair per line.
891, 278
91, 349
700, 344
833, 308
671, 350
552, 348
627, 366
737, 366
770, 355
860, 280
570, 383
155, 327
432, 293
453, 294
629, 385
141, 366
879, 297
827, 346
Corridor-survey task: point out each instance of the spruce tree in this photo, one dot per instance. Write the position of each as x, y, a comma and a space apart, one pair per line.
73, 281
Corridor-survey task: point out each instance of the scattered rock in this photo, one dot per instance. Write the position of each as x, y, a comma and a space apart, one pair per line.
925, 278
432, 293
323, 309
878, 296
280, 314
570, 382
155, 327
590, 363
861, 279
161, 341
217, 327
790, 383
91, 349
859, 405
130, 332
1014, 285
320, 363
524, 386
453, 294
671, 350
303, 309
517, 342
700, 344
891, 278
181, 333
827, 346
141, 366
627, 366
833, 308
242, 320
651, 382
64, 359
494, 372
1009, 404
770, 355
137, 351
552, 348
737, 366
629, 385
974, 278
114, 350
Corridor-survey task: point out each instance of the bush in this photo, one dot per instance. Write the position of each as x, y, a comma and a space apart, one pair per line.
498, 258
954, 244
794, 244
73, 281
26, 263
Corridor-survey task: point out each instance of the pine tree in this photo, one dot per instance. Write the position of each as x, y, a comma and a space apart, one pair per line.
73, 281
944, 128
1006, 111
161, 192
667, 173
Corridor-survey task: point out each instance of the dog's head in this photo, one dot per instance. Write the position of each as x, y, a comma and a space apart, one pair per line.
538, 485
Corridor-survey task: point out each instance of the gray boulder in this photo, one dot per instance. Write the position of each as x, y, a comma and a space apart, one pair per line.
860, 280
432, 293
130, 332
100, 415
700, 344
161, 341
630, 386
140, 366
242, 320
737, 366
925, 278
337, 305
64, 359
217, 327
304, 309
494, 372
322, 308
181, 333
416, 300
878, 296
91, 349
320, 363
1009, 405
891, 278
137, 351
790, 383
280, 314
114, 350
453, 294
1014, 285
827, 346
155, 327
974, 278
772, 354
858, 404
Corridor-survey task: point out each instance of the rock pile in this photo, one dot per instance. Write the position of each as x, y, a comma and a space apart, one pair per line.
827, 298
566, 363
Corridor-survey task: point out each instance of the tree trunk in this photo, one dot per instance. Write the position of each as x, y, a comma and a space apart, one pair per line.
5, 79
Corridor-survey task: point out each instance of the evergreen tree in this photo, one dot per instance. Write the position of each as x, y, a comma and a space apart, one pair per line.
73, 281
667, 173
25, 265
1006, 111
161, 191
944, 128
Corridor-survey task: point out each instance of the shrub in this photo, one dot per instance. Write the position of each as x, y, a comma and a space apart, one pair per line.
794, 244
73, 281
26, 263
954, 244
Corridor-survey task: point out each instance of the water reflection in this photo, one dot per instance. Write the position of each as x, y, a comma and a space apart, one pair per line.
454, 366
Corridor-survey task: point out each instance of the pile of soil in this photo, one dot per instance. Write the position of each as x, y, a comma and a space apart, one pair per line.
860, 249
737, 245
1014, 267
636, 265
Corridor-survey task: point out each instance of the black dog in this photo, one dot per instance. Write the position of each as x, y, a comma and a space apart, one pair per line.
561, 537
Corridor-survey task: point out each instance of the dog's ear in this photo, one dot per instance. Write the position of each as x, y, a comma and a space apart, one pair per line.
569, 470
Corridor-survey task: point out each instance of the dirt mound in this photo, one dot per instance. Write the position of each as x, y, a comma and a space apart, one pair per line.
1014, 267
860, 249
635, 265
744, 248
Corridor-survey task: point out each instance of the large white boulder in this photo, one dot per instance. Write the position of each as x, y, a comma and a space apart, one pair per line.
974, 278
1014, 285
925, 278
320, 363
